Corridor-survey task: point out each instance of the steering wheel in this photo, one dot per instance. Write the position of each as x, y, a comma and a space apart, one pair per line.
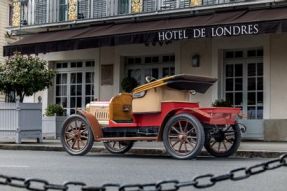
150, 79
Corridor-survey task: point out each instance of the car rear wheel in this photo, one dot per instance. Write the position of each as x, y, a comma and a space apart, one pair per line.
76, 135
223, 142
183, 136
118, 147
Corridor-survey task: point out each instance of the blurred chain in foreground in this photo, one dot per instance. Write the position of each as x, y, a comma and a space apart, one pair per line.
203, 181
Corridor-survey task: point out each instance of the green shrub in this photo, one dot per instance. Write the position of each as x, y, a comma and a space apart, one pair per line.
53, 109
221, 103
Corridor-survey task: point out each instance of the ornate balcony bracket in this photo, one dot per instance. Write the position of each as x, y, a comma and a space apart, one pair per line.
137, 6
16, 13
194, 3
72, 10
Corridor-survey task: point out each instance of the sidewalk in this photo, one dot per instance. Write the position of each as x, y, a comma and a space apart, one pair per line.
248, 149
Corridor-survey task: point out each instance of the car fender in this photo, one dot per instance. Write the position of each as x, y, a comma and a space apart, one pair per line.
93, 122
200, 115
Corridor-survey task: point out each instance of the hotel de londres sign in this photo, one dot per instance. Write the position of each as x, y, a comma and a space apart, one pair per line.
210, 31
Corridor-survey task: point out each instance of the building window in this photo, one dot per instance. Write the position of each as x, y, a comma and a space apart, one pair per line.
63, 10
10, 15
74, 85
155, 66
84, 9
168, 4
61, 89
185, 3
243, 81
216, 2
123, 7
149, 5
99, 8
40, 11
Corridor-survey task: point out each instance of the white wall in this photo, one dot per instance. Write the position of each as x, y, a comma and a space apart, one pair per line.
107, 57
278, 94
202, 47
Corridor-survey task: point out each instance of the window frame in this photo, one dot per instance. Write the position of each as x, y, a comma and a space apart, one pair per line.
245, 60
71, 70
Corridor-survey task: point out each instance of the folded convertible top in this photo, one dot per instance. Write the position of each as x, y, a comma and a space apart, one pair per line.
181, 82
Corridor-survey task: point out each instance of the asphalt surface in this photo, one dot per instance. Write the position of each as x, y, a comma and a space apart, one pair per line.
247, 149
96, 169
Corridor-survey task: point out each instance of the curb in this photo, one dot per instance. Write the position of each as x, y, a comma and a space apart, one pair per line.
141, 151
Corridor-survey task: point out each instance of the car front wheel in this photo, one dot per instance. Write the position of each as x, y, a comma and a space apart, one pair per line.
76, 135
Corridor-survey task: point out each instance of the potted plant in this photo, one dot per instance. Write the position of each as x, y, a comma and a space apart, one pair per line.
22, 76
52, 121
54, 109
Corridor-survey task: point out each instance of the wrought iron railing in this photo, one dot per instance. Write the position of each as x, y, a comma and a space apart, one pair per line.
39, 12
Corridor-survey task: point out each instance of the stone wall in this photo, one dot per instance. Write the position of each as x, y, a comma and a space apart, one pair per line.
4, 15
275, 130
4, 22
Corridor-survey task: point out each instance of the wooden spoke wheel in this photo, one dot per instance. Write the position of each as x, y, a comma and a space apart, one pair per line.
183, 136
118, 147
223, 142
76, 135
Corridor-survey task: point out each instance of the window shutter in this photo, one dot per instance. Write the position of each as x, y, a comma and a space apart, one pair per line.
123, 7
149, 5
40, 11
184, 3
168, 4
99, 8
83, 9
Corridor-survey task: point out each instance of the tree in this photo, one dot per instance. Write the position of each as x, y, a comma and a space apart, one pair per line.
25, 75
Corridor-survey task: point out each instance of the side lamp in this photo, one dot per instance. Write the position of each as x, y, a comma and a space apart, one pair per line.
195, 60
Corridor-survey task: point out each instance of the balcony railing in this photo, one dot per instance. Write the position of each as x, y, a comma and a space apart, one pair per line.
39, 12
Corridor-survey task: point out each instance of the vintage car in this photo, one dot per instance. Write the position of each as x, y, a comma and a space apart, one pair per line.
159, 110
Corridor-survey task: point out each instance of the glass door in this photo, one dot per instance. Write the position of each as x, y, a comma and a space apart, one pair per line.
243, 81
75, 84
76, 89
61, 89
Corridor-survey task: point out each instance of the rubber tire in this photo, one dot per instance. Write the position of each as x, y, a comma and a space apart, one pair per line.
129, 146
232, 149
90, 141
200, 135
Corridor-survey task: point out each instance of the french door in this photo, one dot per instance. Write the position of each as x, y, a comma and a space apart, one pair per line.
74, 85
243, 81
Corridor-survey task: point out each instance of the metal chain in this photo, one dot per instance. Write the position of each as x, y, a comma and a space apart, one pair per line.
203, 181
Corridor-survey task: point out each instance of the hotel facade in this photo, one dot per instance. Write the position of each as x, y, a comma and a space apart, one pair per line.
94, 44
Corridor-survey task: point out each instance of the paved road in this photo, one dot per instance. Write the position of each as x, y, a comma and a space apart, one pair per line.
96, 169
